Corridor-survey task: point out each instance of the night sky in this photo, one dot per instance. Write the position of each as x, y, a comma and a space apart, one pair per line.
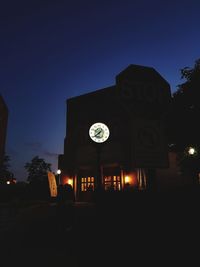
54, 50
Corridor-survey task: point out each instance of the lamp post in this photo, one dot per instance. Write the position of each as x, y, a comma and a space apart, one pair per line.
99, 133
58, 172
191, 163
98, 167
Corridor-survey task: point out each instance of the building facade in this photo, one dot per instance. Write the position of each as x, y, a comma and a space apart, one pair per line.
3, 126
133, 109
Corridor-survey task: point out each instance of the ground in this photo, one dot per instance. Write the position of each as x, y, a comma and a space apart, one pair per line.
116, 230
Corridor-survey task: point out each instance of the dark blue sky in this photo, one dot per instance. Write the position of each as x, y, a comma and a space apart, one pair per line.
53, 50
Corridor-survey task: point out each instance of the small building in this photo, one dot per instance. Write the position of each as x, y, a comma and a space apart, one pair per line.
3, 126
115, 136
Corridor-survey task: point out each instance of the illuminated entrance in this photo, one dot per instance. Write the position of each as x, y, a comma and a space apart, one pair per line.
111, 182
113, 179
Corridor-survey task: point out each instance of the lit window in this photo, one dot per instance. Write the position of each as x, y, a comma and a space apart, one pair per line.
87, 184
112, 183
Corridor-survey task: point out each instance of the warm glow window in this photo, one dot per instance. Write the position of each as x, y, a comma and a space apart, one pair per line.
112, 183
87, 184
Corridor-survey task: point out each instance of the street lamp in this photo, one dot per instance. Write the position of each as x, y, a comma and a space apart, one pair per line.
191, 150
59, 172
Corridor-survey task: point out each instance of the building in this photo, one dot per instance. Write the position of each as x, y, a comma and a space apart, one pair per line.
136, 148
3, 126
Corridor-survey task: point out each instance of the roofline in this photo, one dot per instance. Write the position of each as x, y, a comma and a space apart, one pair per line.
90, 93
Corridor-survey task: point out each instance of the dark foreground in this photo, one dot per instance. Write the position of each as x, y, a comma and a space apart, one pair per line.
139, 229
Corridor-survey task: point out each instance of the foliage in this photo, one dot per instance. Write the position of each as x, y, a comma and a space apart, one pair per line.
184, 120
5, 173
191, 74
37, 170
188, 93
185, 109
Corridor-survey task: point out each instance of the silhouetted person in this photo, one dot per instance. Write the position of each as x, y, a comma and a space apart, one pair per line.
90, 188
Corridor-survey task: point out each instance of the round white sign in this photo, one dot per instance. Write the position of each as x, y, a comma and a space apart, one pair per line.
99, 132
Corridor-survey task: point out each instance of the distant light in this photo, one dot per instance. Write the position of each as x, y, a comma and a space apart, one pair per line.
58, 171
8, 182
170, 145
191, 151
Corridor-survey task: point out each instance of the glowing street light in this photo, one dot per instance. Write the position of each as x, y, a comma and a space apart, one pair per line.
191, 150
58, 171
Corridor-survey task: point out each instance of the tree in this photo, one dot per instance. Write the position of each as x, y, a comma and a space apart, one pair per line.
191, 74
184, 120
5, 173
185, 109
37, 170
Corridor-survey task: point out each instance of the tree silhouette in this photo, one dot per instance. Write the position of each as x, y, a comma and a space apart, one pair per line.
37, 170
184, 110
184, 119
5, 173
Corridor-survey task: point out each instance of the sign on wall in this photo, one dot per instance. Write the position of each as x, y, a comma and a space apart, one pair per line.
134, 95
149, 147
140, 88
